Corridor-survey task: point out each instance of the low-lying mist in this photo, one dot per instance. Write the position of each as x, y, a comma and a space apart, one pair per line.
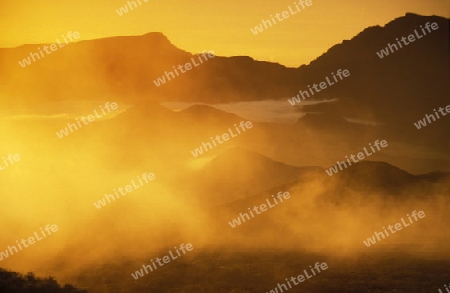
58, 180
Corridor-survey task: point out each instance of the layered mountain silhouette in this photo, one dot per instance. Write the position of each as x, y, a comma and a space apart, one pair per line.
128, 66
332, 124
393, 92
374, 185
381, 100
397, 90
252, 173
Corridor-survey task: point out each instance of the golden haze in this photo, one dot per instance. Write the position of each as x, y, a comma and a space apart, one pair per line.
197, 26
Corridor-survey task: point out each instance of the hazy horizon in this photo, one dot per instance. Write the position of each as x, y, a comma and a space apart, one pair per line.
344, 23
129, 165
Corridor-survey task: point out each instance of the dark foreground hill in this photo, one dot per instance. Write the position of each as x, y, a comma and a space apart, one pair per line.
12, 282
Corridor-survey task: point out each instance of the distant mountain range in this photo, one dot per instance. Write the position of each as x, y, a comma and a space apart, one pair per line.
126, 67
256, 174
395, 91
252, 173
376, 186
390, 93
199, 196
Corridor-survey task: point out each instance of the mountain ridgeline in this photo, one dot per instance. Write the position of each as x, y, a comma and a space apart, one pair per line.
126, 66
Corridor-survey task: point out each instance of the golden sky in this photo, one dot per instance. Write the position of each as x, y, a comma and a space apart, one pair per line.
221, 26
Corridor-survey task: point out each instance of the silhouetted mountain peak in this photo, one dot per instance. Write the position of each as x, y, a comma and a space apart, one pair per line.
380, 167
157, 38
374, 175
410, 14
375, 37
156, 35
327, 122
